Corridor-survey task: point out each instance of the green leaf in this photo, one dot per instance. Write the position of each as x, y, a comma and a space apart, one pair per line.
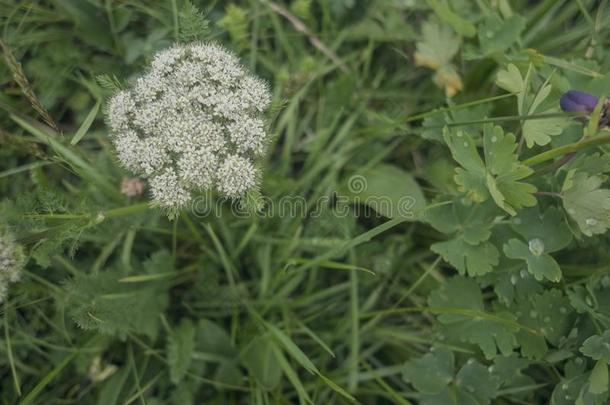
476, 379
496, 35
471, 177
475, 186
475, 260
568, 391
549, 227
493, 336
432, 372
549, 314
598, 381
490, 333
586, 202
259, 357
101, 302
499, 150
503, 163
180, 347
511, 194
464, 151
457, 292
211, 338
511, 80
437, 47
593, 163
472, 222
228, 373
539, 131
194, 25
597, 347
111, 388
498, 176
582, 300
387, 190
459, 24
541, 265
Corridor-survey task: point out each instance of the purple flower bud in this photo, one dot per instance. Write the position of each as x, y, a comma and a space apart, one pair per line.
577, 101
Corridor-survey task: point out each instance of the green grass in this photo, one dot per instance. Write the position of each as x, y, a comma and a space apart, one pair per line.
120, 305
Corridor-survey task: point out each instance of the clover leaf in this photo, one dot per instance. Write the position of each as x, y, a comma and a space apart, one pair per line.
498, 177
497, 35
597, 347
436, 49
466, 258
544, 234
586, 202
433, 375
549, 314
460, 305
432, 372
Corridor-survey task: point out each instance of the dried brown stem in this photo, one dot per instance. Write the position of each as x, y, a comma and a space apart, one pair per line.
302, 28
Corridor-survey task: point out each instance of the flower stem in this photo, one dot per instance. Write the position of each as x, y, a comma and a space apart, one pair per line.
123, 211
113, 213
564, 150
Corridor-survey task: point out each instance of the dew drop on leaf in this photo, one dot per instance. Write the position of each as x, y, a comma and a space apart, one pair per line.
536, 246
591, 221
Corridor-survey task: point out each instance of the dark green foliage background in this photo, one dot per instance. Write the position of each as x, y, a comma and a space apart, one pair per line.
120, 305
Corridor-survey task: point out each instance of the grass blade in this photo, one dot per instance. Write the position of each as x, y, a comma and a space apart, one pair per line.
86, 124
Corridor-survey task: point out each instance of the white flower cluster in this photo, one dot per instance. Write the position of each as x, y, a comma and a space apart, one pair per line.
193, 122
11, 262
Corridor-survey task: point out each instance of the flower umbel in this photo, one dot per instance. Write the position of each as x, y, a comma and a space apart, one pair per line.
12, 260
193, 122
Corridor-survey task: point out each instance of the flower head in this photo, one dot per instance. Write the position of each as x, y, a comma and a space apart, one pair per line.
193, 122
12, 260
577, 101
